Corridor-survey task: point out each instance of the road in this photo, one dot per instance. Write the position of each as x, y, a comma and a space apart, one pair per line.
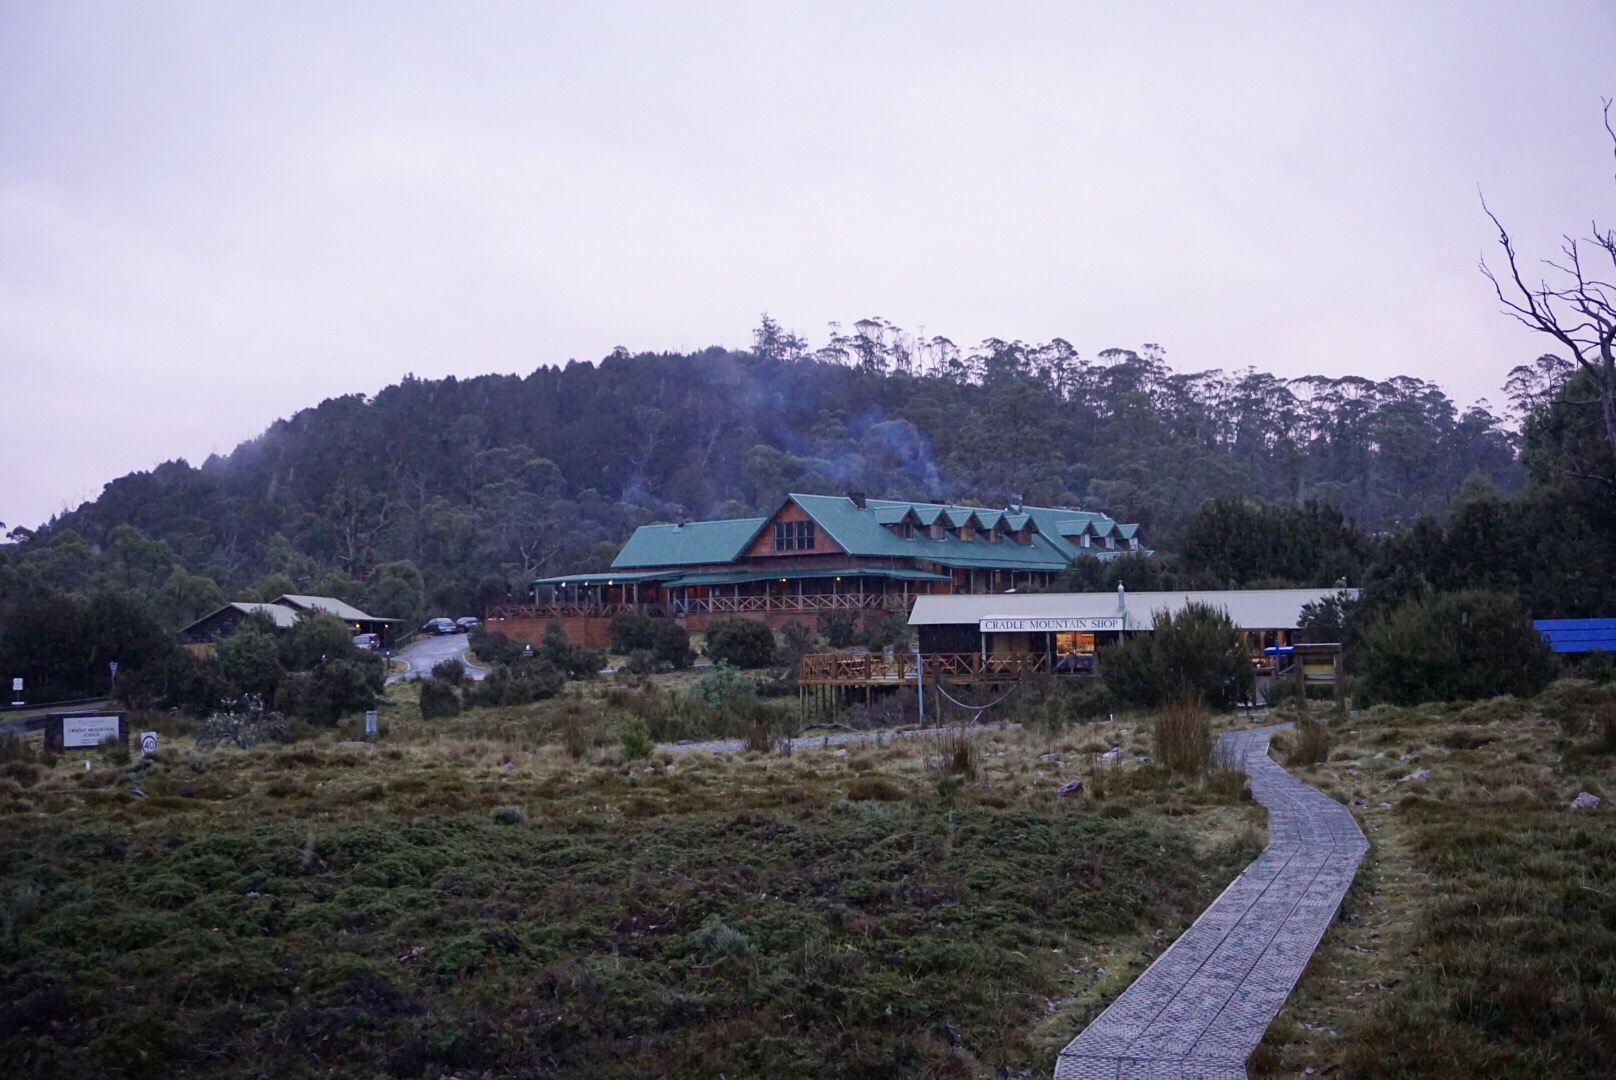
423, 652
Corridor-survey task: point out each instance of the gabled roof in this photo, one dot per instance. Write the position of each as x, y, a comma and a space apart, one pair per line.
282, 616
696, 543
864, 531
329, 604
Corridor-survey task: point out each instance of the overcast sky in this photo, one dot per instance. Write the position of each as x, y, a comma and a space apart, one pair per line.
212, 215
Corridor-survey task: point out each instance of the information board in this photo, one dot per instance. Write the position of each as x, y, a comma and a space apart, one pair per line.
87, 732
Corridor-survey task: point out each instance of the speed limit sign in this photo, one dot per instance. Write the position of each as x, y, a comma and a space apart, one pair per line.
148, 742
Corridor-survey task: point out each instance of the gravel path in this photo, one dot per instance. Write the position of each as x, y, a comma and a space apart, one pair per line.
809, 742
1199, 1010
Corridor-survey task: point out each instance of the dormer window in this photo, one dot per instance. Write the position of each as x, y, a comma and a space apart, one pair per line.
995, 536
907, 530
1086, 539
1133, 543
1110, 543
937, 530
793, 536
967, 533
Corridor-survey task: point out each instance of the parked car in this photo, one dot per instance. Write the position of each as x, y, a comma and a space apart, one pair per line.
467, 623
439, 626
367, 641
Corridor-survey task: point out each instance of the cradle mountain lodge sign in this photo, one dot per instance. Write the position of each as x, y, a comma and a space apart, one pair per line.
1035, 626
84, 731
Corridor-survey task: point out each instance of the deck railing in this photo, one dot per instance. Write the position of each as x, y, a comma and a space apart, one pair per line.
874, 669
808, 603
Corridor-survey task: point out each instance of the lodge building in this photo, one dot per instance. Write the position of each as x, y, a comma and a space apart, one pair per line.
817, 554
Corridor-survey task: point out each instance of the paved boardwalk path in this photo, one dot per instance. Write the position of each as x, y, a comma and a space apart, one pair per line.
1199, 1011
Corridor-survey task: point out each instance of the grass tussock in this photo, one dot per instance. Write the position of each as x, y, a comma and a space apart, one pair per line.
1309, 744
1183, 738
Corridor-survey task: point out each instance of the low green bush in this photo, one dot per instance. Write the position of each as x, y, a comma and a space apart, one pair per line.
439, 700
742, 643
1461, 646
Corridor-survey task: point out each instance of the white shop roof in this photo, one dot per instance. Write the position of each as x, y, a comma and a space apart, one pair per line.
1251, 609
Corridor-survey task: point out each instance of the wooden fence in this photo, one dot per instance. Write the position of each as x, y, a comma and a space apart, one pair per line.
879, 669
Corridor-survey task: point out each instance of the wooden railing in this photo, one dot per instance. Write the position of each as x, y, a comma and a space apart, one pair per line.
571, 611
808, 603
863, 669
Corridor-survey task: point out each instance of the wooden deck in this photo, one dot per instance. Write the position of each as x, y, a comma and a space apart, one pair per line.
880, 669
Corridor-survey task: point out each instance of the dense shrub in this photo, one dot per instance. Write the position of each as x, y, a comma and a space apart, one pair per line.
641, 662
517, 684
796, 641
493, 647
839, 628
1196, 654
1454, 647
573, 661
724, 686
334, 689
891, 632
438, 700
670, 643
449, 671
631, 631
743, 643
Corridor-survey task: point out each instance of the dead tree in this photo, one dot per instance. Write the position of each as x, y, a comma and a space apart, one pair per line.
1579, 309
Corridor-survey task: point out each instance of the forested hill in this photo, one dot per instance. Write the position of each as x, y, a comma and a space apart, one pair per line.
490, 480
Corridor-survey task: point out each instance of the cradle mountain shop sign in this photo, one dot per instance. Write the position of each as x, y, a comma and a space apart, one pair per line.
1041, 626
84, 731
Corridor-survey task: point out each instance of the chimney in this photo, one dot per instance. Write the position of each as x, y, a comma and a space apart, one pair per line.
858, 498
1122, 597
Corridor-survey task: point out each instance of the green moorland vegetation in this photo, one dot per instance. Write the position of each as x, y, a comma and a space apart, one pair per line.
532, 890
1479, 939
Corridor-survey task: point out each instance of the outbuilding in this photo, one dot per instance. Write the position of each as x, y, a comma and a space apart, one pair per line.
1068, 629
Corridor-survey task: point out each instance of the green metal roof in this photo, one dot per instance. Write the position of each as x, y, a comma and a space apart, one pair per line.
739, 577
697, 543
866, 533
609, 577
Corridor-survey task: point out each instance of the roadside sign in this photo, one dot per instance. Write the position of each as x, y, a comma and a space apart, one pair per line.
370, 723
16, 691
148, 742
87, 732
84, 731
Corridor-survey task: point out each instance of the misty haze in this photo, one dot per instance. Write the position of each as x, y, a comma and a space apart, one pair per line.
735, 540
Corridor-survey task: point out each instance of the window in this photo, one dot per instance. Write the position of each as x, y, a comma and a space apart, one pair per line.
995, 536
937, 530
793, 536
908, 531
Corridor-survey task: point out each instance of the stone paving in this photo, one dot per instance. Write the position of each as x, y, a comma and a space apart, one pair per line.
1199, 1010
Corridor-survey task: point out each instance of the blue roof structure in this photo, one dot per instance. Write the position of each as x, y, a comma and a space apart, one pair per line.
1578, 635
